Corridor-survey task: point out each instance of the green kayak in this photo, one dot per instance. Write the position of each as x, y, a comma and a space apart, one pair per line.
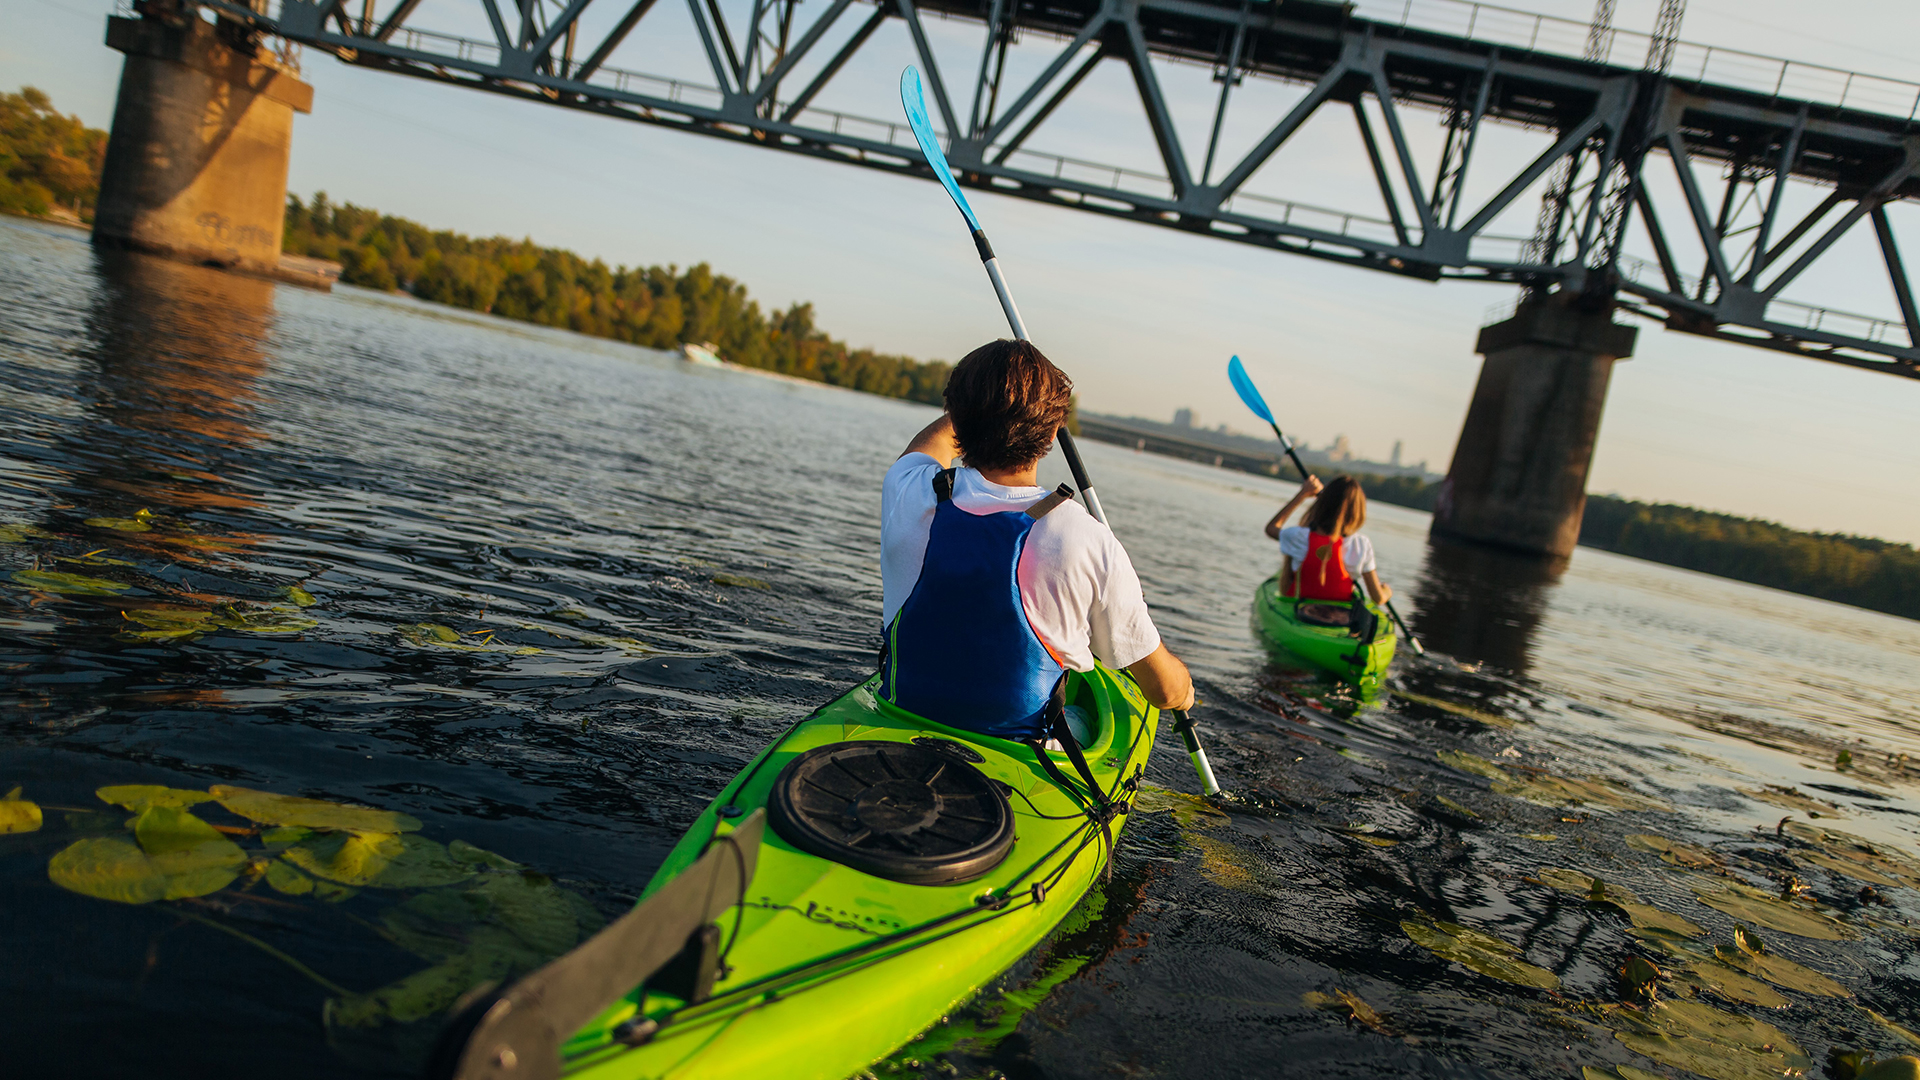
948, 856
1336, 649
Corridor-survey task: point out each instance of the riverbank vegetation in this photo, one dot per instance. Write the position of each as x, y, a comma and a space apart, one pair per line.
1875, 574
656, 306
49, 163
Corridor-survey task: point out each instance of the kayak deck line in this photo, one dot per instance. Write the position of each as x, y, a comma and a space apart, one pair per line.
800, 964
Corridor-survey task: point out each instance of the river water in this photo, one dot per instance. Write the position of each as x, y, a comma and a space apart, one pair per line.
546, 593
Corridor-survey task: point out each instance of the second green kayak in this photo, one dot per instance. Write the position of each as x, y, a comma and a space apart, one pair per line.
905, 864
1336, 649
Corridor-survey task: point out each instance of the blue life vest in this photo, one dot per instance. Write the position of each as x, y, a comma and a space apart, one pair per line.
960, 650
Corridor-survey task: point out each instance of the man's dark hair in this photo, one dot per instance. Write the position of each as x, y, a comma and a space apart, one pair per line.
1006, 400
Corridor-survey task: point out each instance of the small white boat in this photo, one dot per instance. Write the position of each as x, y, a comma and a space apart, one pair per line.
706, 354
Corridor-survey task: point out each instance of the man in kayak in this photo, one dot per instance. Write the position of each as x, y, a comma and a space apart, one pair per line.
1321, 558
994, 588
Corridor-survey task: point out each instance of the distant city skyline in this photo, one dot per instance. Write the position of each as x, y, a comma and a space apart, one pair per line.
1138, 316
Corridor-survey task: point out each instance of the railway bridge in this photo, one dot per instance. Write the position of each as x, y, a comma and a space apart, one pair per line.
1687, 185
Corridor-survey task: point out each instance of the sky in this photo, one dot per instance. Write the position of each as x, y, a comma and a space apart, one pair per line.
1143, 318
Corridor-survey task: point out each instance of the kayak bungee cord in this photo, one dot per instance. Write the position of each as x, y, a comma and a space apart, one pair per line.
1250, 396
913, 99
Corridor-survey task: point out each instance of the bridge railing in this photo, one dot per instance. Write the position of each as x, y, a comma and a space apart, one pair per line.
1692, 62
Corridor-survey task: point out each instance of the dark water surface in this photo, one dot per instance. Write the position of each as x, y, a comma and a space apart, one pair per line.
545, 594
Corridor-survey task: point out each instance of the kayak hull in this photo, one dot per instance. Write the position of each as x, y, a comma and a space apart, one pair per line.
1330, 649
828, 969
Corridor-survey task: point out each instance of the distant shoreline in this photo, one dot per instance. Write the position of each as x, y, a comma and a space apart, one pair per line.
1859, 571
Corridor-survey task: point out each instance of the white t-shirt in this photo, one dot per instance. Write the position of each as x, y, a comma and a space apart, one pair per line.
1078, 586
1358, 550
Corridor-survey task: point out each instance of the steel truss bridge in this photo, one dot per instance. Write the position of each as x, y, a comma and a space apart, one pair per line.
1761, 126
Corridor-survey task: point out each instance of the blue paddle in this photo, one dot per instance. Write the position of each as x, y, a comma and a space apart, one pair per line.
914, 100
1250, 395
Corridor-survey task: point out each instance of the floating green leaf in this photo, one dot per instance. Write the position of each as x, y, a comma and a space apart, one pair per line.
1900, 1068
383, 860
1648, 917
1470, 763
1618, 1072
17, 815
1781, 972
468, 855
1892, 1028
1677, 852
271, 809
138, 797
141, 521
1721, 1045
285, 879
1765, 909
1792, 799
1720, 979
300, 596
14, 532
494, 956
1483, 953
65, 584
111, 868
740, 581
1542, 837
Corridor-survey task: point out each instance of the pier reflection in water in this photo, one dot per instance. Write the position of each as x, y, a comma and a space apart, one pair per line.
541, 595
1482, 605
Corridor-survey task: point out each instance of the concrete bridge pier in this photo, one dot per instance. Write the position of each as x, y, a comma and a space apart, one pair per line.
1519, 473
196, 167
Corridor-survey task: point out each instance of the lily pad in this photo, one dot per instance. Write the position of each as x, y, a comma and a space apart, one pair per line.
1892, 1028
1700, 1038
300, 596
1782, 972
1470, 763
468, 855
17, 815
1648, 917
1677, 852
740, 581
1480, 952
493, 957
1618, 1072
283, 878
1228, 866
138, 797
1765, 909
14, 532
141, 521
1849, 868
383, 860
54, 581
111, 868
1792, 799
1732, 985
1583, 885
271, 809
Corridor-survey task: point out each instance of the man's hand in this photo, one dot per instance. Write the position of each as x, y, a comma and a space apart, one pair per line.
1164, 679
937, 441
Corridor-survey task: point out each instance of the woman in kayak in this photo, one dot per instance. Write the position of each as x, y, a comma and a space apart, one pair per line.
992, 588
1320, 558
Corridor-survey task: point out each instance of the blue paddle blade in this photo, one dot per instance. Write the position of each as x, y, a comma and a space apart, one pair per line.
1242, 385
916, 105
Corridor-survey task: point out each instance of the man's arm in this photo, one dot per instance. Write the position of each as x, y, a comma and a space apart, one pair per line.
936, 441
1164, 679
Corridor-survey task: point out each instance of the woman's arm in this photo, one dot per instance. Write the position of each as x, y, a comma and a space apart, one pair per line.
937, 441
1309, 487
1286, 575
1378, 591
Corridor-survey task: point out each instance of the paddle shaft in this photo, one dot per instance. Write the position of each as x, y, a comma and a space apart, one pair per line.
915, 104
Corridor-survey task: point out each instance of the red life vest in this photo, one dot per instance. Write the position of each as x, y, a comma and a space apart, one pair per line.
1322, 575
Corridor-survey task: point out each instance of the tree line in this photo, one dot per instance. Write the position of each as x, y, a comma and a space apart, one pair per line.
656, 307
49, 163
1874, 574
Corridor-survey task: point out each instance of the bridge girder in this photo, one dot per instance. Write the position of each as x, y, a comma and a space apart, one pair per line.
1607, 123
